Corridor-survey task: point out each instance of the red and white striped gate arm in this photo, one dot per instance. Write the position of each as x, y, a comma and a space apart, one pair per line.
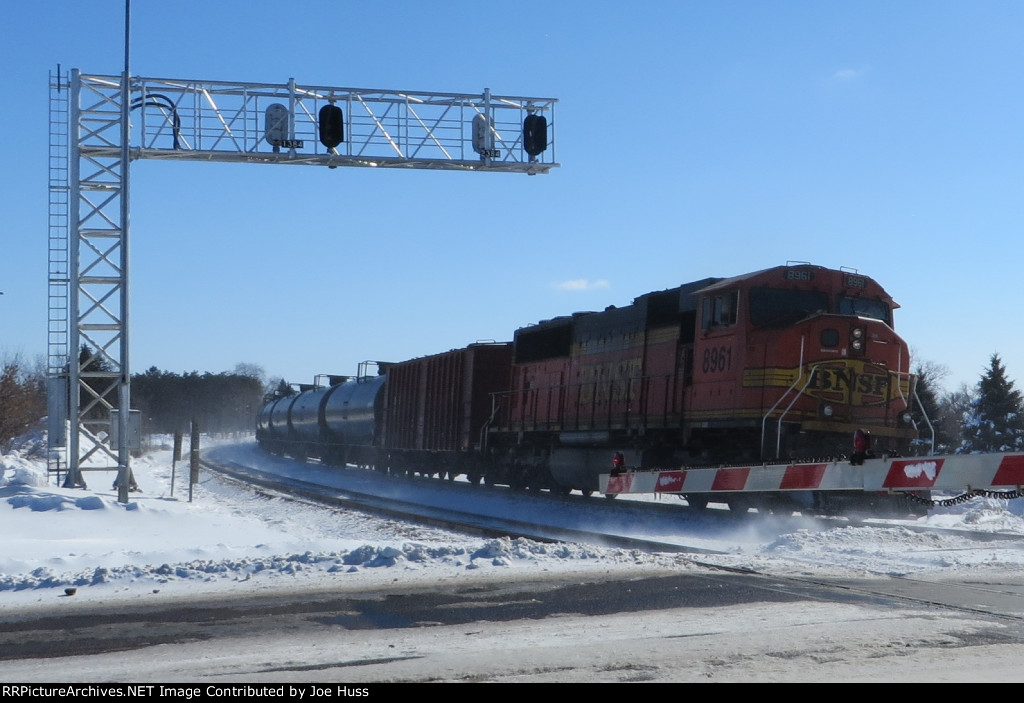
941, 473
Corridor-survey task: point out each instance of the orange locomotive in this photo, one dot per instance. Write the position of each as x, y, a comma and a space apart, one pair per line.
788, 362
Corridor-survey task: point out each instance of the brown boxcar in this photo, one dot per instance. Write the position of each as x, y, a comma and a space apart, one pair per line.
436, 408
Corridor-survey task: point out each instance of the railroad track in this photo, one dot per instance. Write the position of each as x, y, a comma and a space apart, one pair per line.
493, 511
487, 518
627, 524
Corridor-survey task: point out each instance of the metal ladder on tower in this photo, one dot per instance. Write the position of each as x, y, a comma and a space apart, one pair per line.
58, 353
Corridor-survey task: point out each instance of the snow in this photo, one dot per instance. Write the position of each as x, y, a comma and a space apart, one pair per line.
226, 538
231, 540
55, 538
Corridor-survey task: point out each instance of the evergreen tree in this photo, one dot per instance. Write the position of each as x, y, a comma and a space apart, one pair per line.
996, 420
223, 402
282, 390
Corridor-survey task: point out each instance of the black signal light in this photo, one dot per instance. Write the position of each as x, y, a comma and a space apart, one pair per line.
535, 134
332, 126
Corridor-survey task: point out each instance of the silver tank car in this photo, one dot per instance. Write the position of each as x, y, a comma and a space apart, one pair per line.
305, 414
337, 424
349, 411
278, 423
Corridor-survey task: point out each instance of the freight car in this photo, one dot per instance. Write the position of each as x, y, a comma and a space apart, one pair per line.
426, 415
788, 362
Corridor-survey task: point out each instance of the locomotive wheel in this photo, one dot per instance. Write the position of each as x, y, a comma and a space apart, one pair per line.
698, 502
738, 504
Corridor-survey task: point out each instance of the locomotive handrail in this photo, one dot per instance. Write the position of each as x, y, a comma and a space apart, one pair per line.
495, 407
924, 414
906, 404
899, 387
778, 431
764, 420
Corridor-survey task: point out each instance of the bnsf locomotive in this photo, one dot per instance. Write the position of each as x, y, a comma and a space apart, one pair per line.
788, 363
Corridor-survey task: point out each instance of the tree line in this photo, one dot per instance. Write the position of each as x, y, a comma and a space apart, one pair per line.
986, 417
220, 402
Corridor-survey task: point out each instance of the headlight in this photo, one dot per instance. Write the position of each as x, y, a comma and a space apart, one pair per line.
857, 339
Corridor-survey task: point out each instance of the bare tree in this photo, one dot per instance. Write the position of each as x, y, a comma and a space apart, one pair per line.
244, 368
22, 397
956, 407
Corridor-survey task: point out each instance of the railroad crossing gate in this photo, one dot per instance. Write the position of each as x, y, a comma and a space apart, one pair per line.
100, 124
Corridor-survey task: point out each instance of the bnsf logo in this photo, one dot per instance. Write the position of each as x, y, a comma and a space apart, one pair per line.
847, 381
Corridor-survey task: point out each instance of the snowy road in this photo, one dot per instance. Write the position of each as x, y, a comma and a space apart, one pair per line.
692, 626
245, 588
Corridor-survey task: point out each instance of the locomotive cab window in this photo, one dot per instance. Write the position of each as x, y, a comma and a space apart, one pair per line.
773, 307
864, 307
720, 310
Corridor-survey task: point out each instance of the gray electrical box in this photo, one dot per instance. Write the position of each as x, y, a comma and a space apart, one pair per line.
134, 431
57, 410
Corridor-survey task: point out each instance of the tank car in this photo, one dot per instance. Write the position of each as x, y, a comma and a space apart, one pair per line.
427, 415
337, 423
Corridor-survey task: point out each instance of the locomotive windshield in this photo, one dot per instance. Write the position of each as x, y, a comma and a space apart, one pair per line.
772, 307
864, 307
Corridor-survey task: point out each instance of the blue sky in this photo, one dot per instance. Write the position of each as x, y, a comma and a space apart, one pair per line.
696, 139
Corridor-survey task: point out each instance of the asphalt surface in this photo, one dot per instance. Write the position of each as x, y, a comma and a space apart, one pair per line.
97, 630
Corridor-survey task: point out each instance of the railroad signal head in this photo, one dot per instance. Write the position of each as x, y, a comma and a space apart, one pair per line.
483, 137
535, 134
276, 124
331, 126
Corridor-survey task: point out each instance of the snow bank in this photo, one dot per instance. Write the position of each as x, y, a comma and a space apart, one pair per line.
59, 538
230, 537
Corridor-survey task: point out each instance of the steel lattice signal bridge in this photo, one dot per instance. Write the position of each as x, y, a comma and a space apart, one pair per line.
100, 124
266, 123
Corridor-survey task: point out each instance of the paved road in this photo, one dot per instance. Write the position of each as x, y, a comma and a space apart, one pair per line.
687, 626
